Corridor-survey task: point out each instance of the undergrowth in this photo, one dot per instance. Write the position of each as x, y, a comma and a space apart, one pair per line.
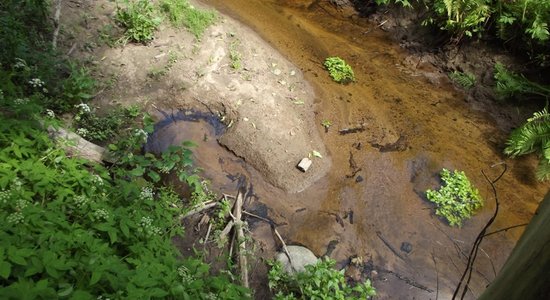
72, 228
319, 281
140, 20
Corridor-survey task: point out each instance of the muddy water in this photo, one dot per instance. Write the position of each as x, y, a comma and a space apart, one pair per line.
371, 204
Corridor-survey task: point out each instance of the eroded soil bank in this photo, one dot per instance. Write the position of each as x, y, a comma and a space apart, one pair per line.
367, 198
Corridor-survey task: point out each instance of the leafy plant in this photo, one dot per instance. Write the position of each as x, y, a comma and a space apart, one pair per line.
339, 70
181, 13
465, 79
234, 55
533, 137
326, 124
457, 199
77, 88
509, 84
319, 281
97, 128
139, 19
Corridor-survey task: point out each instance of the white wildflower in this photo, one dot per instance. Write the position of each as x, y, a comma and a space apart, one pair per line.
146, 193
4, 196
82, 131
21, 204
97, 180
101, 214
80, 201
50, 114
140, 133
1, 95
17, 184
21, 101
83, 108
36, 83
16, 218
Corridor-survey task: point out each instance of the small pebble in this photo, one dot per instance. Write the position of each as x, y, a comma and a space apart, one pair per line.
359, 179
406, 247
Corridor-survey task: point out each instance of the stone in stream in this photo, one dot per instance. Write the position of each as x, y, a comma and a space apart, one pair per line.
300, 256
304, 164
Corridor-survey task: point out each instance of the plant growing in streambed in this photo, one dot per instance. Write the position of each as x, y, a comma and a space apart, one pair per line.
319, 281
457, 199
339, 70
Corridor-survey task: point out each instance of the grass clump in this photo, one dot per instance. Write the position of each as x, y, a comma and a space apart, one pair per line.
139, 20
339, 70
457, 199
182, 14
319, 281
464, 79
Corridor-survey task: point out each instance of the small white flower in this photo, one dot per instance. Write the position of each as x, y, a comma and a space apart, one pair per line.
21, 204
82, 131
83, 108
36, 83
1, 94
50, 114
21, 101
80, 201
96, 179
140, 133
16, 218
146, 193
18, 184
101, 214
4, 196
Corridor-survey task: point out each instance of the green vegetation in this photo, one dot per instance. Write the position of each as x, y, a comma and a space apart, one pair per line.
457, 199
139, 19
235, 55
523, 22
510, 84
533, 137
319, 281
95, 128
464, 79
75, 229
181, 13
339, 70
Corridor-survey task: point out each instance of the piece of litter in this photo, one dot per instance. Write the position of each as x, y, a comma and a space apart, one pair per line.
316, 154
277, 72
292, 73
304, 164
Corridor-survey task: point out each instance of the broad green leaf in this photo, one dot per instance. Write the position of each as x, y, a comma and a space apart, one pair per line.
65, 290
96, 276
5, 269
138, 171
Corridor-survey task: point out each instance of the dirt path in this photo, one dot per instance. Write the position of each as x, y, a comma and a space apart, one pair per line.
416, 124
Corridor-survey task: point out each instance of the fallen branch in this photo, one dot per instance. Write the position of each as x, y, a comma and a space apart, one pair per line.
243, 264
75, 145
473, 253
272, 224
352, 130
198, 209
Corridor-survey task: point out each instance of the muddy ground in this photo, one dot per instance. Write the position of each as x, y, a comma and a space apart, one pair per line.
365, 197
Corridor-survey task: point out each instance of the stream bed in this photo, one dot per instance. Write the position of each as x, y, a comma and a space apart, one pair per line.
372, 203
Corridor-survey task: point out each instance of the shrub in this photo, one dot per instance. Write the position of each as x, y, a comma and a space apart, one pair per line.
139, 20
319, 281
181, 13
339, 70
457, 199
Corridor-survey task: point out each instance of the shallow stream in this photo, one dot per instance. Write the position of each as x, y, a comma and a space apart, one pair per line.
371, 204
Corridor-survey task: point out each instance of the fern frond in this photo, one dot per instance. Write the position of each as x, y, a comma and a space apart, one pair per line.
543, 169
542, 115
528, 138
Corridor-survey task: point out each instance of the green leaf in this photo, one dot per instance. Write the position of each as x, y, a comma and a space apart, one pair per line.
96, 276
65, 290
138, 171
154, 176
5, 269
112, 235
124, 228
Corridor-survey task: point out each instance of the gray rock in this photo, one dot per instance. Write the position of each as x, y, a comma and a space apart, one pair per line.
300, 257
304, 164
